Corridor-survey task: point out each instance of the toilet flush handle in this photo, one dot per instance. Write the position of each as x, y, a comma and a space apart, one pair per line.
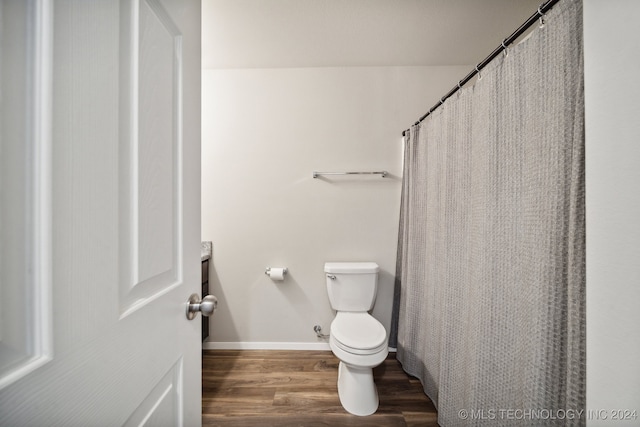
331, 276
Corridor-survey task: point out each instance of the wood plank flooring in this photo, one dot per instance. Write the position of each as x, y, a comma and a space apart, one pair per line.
269, 388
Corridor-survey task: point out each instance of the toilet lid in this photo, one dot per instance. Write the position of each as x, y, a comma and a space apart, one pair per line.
358, 331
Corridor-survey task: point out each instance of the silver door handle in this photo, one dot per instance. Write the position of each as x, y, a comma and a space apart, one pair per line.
206, 306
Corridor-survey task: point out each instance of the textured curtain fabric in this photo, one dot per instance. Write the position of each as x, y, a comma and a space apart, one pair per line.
491, 256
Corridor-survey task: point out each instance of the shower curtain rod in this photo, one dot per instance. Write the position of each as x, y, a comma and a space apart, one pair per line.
539, 14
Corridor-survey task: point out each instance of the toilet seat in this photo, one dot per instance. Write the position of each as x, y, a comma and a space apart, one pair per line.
358, 333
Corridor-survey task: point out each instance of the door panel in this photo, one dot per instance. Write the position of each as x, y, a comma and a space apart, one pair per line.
150, 117
100, 215
25, 206
163, 405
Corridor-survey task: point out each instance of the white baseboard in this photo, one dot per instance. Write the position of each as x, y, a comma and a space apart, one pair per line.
320, 346
210, 345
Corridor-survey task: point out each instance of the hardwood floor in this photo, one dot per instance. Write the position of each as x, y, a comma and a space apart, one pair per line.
298, 388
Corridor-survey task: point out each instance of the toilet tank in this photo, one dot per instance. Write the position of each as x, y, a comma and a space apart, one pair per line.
351, 286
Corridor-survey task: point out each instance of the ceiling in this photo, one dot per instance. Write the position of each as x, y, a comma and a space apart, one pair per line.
334, 33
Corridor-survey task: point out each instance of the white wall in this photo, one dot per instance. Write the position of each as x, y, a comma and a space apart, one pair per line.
264, 132
612, 97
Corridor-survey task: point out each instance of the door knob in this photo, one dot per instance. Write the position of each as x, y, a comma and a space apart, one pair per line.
206, 306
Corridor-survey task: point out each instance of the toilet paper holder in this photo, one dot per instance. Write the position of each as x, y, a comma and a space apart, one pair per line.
267, 271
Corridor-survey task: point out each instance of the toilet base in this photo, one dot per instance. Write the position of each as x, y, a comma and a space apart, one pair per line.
356, 389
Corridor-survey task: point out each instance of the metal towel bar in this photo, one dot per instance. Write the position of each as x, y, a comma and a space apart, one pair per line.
383, 173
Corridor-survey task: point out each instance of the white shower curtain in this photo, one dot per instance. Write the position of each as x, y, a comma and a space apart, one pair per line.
491, 259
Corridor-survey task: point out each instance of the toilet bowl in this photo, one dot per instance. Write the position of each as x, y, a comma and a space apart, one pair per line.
357, 338
360, 342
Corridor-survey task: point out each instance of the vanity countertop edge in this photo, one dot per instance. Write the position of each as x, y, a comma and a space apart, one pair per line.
206, 250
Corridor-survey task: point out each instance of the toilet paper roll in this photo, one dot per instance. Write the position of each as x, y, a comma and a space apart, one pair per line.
277, 273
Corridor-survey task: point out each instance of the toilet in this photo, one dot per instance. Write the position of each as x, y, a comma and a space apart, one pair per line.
356, 337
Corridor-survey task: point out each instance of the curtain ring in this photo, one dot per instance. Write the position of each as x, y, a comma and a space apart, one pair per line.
505, 50
542, 15
442, 100
479, 73
459, 87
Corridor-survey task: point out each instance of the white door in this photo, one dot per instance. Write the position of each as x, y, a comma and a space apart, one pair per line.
99, 212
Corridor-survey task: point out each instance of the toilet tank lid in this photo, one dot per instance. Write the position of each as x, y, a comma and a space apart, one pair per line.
351, 267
